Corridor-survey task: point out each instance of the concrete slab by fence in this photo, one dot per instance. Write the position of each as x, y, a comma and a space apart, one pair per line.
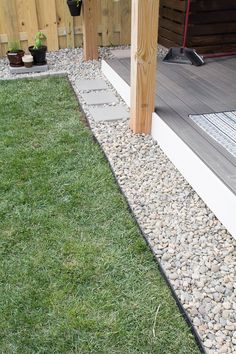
86, 85
24, 70
109, 113
105, 97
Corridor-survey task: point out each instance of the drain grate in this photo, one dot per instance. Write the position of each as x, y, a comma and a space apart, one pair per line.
219, 126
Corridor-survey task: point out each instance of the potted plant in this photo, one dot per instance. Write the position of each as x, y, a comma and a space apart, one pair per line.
38, 50
74, 7
15, 54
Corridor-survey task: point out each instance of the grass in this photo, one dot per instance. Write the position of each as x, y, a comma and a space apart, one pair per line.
76, 275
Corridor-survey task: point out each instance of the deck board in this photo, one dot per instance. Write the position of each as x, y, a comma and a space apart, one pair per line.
183, 90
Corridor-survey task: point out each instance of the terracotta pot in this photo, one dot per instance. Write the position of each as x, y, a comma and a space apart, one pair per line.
39, 55
15, 59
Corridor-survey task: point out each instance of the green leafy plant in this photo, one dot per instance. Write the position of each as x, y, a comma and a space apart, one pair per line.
39, 40
14, 47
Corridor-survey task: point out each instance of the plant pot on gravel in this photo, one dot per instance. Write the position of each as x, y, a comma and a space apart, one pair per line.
38, 50
15, 54
39, 55
74, 7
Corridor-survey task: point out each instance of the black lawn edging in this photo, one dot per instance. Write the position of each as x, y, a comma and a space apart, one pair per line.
161, 269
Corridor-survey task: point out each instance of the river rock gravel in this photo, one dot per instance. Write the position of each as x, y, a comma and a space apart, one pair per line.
195, 250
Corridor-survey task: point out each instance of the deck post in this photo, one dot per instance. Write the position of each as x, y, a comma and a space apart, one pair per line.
143, 63
90, 30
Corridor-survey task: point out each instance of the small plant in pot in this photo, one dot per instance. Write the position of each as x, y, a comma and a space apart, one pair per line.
74, 7
38, 50
15, 54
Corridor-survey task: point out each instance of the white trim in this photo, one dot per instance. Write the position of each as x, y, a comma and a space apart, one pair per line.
219, 198
119, 84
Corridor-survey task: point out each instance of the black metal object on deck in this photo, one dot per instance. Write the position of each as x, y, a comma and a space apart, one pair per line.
183, 56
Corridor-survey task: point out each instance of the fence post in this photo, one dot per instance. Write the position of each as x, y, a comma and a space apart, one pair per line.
90, 29
143, 63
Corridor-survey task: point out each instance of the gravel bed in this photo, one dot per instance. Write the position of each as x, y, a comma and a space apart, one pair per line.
197, 253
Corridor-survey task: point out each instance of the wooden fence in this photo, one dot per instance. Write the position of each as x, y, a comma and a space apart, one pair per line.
211, 28
171, 22
21, 19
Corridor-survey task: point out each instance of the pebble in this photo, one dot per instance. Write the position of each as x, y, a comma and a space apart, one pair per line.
166, 257
226, 314
173, 276
227, 305
215, 268
208, 343
223, 349
198, 254
196, 321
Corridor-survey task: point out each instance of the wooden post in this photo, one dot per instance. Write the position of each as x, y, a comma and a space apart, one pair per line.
90, 29
143, 63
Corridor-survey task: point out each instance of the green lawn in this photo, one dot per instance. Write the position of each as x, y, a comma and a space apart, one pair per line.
75, 273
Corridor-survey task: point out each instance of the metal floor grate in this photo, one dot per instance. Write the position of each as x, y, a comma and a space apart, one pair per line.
219, 126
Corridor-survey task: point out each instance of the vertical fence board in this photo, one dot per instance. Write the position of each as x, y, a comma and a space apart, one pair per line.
61, 23
69, 25
48, 22
125, 28
9, 17
28, 19
107, 9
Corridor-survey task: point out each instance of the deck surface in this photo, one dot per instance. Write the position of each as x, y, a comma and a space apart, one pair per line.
183, 90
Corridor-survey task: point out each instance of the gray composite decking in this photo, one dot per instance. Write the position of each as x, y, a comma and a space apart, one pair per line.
183, 90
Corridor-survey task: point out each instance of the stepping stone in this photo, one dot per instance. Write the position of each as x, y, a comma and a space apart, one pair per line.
86, 85
92, 98
108, 113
